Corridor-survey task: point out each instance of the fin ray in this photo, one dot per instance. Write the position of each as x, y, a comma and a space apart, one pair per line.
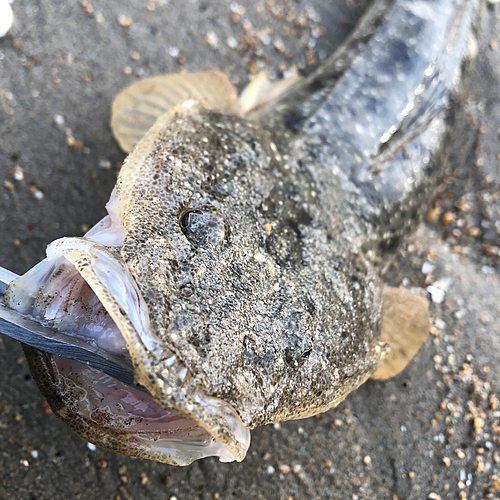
137, 107
405, 326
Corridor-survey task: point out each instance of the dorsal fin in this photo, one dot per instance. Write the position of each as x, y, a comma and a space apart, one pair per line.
138, 106
405, 326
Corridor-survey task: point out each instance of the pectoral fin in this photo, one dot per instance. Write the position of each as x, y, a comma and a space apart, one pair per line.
405, 326
137, 107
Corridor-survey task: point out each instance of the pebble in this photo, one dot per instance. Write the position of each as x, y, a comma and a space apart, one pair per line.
6, 17
285, 469
437, 294
488, 270
18, 173
212, 39
59, 120
447, 218
443, 283
124, 20
478, 423
438, 289
36, 192
173, 51
232, 43
440, 324
87, 6
104, 164
91, 447
427, 267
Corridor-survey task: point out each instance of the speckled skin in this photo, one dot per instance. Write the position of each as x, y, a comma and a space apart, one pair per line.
284, 323
278, 323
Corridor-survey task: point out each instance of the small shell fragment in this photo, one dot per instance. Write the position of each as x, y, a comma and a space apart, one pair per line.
427, 267
6, 17
438, 289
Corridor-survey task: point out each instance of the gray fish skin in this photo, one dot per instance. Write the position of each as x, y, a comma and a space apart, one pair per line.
376, 120
283, 324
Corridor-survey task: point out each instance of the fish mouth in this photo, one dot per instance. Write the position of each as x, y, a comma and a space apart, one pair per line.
83, 289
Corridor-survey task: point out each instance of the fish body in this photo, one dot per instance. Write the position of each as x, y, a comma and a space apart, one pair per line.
240, 266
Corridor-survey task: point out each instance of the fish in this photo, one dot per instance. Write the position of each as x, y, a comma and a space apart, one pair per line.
240, 266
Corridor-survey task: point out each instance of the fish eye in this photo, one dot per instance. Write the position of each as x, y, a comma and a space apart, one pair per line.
204, 226
187, 290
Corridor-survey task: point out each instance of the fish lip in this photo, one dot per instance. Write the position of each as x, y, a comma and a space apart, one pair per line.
110, 280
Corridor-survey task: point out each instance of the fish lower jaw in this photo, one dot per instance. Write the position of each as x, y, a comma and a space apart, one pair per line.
120, 418
103, 410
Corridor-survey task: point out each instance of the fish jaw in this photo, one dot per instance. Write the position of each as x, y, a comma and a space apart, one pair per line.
118, 417
83, 289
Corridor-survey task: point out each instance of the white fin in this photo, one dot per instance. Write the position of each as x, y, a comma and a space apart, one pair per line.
261, 92
405, 325
137, 107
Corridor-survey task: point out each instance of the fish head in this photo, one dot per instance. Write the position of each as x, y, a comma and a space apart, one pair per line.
247, 320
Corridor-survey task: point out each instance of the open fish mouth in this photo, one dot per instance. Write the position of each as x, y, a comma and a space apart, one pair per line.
83, 289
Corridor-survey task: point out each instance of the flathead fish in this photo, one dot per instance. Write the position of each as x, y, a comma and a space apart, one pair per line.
240, 266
